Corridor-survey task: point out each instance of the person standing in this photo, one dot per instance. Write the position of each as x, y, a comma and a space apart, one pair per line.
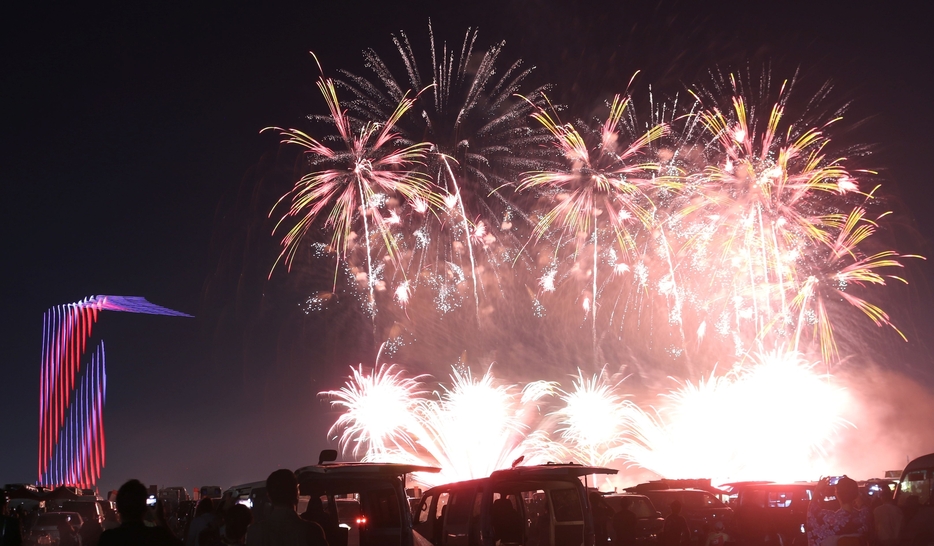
10, 534
133, 531
282, 526
204, 518
676, 531
888, 520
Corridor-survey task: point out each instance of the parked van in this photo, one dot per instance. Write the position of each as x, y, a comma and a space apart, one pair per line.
544, 505
913, 496
359, 504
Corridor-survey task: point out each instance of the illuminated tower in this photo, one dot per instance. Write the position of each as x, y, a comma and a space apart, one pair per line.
72, 389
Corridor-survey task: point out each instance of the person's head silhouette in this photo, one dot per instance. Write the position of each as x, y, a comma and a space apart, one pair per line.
131, 501
282, 488
676, 507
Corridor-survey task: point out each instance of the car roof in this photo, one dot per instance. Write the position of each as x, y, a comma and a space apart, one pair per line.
550, 471
60, 514
349, 469
924, 461
778, 485
619, 495
686, 490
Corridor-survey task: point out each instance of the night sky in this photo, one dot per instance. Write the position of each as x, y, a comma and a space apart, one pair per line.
132, 164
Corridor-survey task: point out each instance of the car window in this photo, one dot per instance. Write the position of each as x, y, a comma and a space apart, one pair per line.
641, 508
709, 501
916, 482
567, 505
443, 499
382, 509
425, 511
461, 507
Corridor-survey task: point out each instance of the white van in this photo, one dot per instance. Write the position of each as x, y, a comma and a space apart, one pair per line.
543, 505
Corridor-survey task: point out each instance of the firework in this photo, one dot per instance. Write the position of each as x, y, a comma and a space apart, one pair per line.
469, 430
377, 410
480, 141
771, 418
358, 188
591, 420
778, 227
730, 232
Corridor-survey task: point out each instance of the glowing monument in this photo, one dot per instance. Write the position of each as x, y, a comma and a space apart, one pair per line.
71, 396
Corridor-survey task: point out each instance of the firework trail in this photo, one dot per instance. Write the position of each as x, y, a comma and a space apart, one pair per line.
480, 141
732, 232
358, 187
605, 176
778, 230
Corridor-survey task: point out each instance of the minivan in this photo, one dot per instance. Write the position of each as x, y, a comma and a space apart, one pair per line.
542, 505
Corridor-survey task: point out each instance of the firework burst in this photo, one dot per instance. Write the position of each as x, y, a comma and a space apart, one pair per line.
771, 418
591, 420
480, 141
778, 229
357, 188
470, 429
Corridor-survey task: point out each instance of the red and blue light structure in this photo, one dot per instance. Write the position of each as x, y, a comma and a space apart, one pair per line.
73, 387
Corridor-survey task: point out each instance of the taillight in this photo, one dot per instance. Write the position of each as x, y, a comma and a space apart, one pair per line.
361, 520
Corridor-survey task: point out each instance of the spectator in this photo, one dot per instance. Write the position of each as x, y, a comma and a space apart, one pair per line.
236, 520
888, 521
131, 506
204, 519
675, 532
315, 512
10, 534
624, 525
602, 513
282, 526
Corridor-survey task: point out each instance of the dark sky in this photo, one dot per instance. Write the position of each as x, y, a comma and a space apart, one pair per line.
131, 161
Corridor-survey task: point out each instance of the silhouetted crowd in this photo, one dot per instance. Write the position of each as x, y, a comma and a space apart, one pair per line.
837, 516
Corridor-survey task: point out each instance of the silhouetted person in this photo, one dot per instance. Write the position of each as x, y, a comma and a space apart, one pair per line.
10, 534
887, 519
90, 532
601, 513
507, 523
131, 506
204, 518
315, 512
852, 525
67, 535
847, 526
821, 514
624, 525
676, 531
282, 526
237, 519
